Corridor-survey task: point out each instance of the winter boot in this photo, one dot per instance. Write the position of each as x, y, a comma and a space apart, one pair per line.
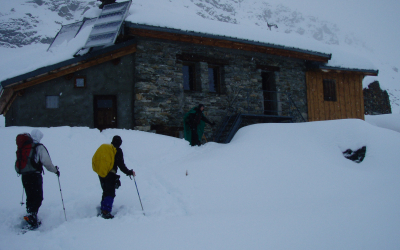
32, 220
106, 215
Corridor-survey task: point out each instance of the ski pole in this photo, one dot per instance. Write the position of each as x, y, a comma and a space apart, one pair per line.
62, 200
22, 200
138, 194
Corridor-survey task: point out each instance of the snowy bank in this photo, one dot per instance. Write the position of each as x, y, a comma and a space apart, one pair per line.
275, 186
389, 121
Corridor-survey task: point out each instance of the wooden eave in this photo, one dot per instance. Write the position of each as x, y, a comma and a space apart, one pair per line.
7, 98
39, 76
363, 72
227, 43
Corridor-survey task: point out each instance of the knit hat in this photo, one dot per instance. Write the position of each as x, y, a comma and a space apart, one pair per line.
116, 141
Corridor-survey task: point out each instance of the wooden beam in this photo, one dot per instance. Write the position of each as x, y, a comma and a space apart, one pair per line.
320, 96
268, 68
348, 71
5, 99
341, 96
310, 101
198, 58
224, 44
362, 97
73, 68
8, 106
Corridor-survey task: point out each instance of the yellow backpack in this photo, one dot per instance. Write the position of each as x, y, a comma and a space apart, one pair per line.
103, 159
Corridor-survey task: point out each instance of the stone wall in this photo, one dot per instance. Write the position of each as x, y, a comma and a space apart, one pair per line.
149, 89
160, 99
376, 100
76, 104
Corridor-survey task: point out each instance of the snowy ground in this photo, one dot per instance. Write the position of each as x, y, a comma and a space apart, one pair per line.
275, 186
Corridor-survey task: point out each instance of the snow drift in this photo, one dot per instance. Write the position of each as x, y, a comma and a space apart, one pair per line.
275, 186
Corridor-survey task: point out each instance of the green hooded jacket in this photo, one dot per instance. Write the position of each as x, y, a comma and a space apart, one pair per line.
186, 128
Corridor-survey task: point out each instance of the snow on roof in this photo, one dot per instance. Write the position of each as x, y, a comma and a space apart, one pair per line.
185, 21
228, 38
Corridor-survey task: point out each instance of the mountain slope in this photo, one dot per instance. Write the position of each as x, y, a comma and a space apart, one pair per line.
24, 22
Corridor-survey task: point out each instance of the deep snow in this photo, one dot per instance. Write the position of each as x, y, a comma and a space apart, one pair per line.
275, 186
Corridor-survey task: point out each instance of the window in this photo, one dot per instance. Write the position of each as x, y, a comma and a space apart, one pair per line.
52, 101
188, 71
80, 82
329, 90
214, 79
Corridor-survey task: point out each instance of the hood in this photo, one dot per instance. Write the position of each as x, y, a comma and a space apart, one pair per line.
36, 135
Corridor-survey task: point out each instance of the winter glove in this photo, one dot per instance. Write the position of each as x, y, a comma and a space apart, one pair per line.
117, 182
58, 172
132, 173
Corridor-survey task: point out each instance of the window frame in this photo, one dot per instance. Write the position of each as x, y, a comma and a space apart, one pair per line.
329, 89
192, 83
76, 82
216, 69
50, 103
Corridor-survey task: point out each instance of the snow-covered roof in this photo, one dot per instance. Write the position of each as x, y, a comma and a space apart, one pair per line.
63, 64
65, 50
227, 38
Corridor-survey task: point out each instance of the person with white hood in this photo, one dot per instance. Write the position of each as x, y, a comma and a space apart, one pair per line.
33, 182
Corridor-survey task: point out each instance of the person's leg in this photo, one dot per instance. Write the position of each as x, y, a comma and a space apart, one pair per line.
108, 186
33, 185
195, 138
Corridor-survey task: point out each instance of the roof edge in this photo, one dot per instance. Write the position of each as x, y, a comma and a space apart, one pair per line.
232, 39
370, 72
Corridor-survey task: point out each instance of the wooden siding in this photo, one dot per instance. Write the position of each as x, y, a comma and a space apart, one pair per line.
349, 96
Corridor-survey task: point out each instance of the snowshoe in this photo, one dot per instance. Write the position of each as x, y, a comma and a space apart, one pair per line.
32, 221
105, 215
27, 226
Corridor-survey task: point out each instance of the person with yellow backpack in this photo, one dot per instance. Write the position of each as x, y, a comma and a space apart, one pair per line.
105, 162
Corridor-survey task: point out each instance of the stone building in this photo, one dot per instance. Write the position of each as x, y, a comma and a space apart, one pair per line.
151, 76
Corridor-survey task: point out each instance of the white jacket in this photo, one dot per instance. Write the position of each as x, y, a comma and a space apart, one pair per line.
41, 152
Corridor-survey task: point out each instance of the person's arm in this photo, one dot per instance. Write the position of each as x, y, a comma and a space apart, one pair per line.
44, 157
204, 119
119, 161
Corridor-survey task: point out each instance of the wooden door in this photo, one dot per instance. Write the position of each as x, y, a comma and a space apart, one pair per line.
105, 111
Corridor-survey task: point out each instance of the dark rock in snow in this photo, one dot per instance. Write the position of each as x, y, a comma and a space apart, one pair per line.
357, 156
376, 100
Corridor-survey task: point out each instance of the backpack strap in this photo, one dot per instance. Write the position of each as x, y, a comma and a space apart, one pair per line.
36, 165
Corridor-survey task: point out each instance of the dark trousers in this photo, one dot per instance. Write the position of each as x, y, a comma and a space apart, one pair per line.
108, 185
195, 137
33, 185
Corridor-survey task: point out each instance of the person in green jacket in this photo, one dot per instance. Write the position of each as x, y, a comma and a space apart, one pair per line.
194, 122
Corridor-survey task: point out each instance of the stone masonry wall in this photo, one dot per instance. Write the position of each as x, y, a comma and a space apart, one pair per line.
160, 99
76, 104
